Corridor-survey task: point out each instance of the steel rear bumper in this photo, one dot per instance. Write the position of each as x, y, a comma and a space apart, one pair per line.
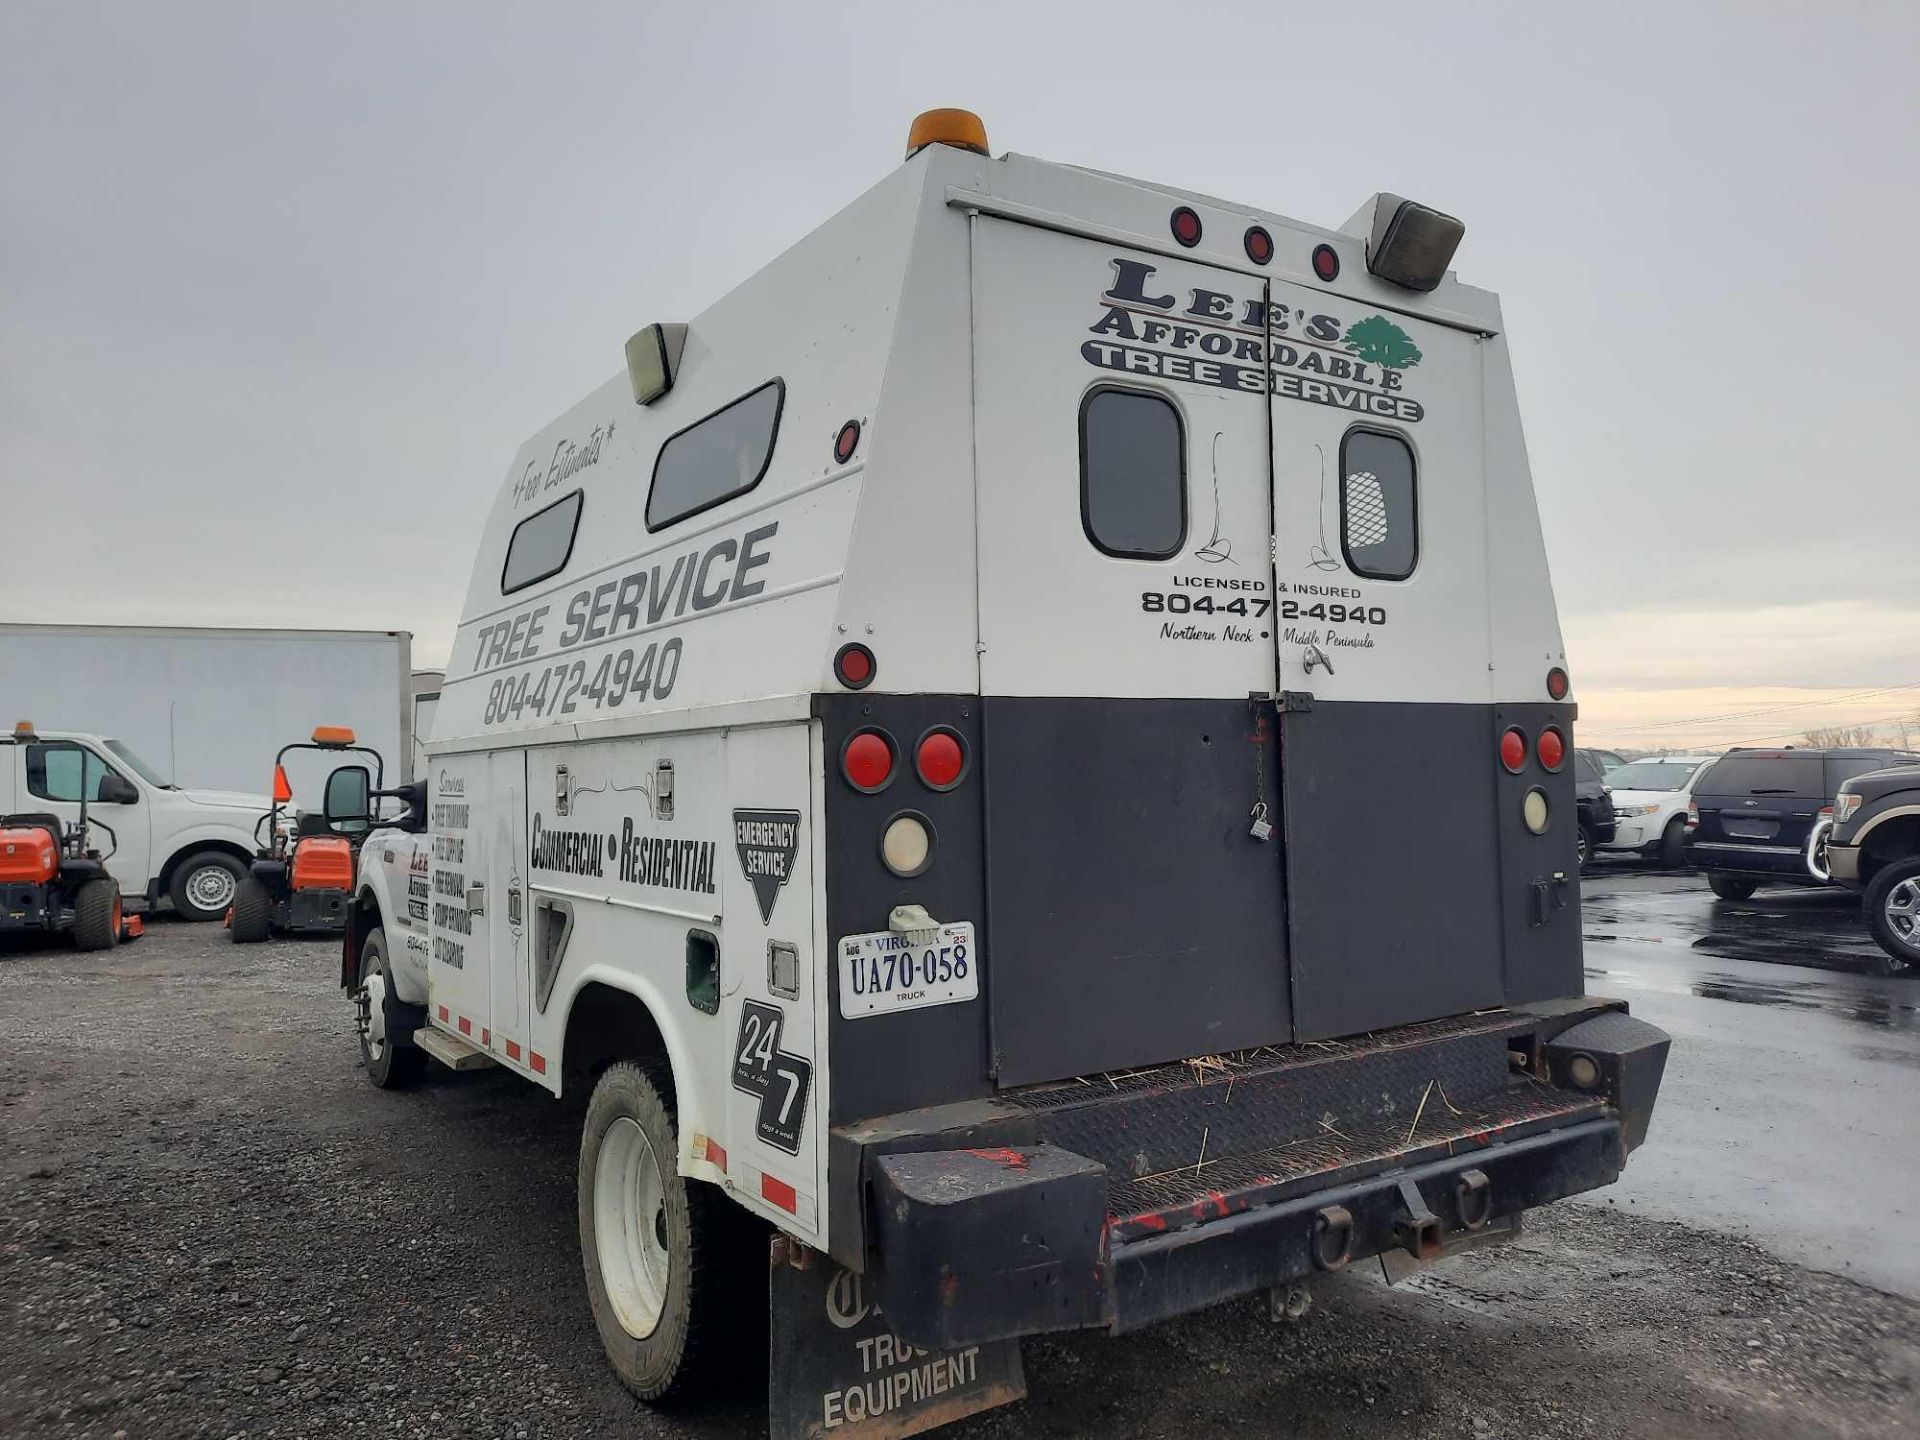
988, 1241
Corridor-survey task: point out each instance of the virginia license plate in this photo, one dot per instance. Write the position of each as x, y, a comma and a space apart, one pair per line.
882, 973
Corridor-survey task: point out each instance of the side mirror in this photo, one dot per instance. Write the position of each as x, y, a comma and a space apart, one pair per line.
349, 795
118, 790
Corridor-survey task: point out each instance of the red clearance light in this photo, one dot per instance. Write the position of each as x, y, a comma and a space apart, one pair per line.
1259, 244
846, 442
1558, 684
1326, 263
1186, 226
867, 761
941, 759
854, 666
1513, 750
1553, 749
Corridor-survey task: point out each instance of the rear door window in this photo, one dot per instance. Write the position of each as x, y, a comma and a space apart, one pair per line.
717, 458
541, 544
1764, 775
1379, 510
1133, 474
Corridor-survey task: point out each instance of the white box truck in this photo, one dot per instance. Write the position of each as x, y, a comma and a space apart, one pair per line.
192, 719
925, 752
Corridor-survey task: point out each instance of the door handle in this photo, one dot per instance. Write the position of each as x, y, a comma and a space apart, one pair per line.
476, 899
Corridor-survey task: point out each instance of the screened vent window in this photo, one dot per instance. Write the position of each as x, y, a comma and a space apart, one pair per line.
1379, 517
716, 458
541, 544
1133, 474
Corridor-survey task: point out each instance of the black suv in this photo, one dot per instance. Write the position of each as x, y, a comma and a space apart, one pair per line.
1875, 848
1763, 816
1592, 805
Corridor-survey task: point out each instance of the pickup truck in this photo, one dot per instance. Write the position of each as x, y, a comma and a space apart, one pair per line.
1875, 849
190, 847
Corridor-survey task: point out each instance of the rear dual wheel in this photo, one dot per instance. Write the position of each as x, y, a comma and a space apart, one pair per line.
671, 1264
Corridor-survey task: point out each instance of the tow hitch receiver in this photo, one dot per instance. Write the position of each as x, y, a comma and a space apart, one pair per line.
1418, 1231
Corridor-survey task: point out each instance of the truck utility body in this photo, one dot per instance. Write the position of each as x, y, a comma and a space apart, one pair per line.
944, 742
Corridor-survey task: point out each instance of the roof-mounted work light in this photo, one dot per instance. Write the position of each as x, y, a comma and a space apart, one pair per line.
961, 129
1409, 244
653, 360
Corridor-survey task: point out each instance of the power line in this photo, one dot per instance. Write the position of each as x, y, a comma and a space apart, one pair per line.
1775, 709
1788, 734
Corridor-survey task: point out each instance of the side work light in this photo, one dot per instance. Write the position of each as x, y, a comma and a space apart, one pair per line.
1409, 244
653, 360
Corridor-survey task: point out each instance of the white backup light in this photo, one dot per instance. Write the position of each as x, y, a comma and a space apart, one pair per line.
1533, 810
907, 845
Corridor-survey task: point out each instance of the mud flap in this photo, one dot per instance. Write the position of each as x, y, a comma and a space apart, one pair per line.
836, 1368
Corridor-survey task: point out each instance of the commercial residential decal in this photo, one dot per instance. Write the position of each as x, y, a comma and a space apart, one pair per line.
1352, 361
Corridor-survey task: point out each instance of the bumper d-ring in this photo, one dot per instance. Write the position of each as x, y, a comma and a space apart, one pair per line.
1333, 1237
1473, 1198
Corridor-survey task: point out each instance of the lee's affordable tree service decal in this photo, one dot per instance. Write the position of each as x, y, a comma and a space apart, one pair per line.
1215, 338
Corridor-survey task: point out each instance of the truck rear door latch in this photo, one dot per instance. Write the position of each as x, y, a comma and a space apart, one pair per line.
1549, 895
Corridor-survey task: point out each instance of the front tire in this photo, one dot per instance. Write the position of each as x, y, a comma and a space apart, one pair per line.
96, 915
655, 1246
205, 884
1732, 887
386, 1022
1892, 905
252, 912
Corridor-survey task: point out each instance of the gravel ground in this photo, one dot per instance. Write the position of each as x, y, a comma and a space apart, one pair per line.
216, 1227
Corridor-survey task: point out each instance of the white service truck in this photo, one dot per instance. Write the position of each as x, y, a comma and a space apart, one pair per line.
157, 840
922, 751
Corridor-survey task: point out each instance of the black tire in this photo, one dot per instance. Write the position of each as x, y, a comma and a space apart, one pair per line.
1672, 849
1732, 887
715, 1254
1901, 951
397, 1062
252, 912
1583, 845
96, 915
189, 892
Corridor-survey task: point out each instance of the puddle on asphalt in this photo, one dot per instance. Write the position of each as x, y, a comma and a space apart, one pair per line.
1868, 1008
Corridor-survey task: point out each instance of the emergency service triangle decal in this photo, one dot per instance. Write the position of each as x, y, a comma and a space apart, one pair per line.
767, 841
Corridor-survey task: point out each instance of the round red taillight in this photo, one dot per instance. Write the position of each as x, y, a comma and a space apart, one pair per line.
867, 760
1326, 262
1259, 244
1186, 226
1513, 750
941, 758
1557, 683
846, 442
1553, 749
854, 666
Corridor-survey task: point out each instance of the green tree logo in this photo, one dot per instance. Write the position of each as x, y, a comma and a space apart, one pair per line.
1384, 343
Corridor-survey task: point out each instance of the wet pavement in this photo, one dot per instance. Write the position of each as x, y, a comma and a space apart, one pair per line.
1790, 1112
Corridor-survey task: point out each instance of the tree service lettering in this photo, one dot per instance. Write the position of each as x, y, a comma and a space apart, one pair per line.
697, 581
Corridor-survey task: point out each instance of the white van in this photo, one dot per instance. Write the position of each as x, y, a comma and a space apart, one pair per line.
189, 846
927, 748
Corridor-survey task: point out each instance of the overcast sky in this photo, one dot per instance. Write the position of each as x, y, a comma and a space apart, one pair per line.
283, 288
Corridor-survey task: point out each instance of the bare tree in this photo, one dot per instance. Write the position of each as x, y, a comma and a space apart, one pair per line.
1833, 737
1904, 731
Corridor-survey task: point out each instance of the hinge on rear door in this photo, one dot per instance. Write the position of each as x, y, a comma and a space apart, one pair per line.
1295, 702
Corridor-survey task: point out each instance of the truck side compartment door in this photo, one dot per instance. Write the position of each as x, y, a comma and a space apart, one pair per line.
508, 919
459, 986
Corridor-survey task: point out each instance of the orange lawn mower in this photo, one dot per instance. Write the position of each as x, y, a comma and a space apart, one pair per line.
304, 880
53, 878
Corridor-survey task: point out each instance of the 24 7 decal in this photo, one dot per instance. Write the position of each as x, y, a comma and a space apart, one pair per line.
779, 1080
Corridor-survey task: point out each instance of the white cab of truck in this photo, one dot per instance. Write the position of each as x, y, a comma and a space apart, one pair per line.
188, 846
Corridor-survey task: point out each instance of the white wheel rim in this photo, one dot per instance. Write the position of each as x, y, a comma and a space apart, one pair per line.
1902, 910
376, 1015
630, 1227
211, 887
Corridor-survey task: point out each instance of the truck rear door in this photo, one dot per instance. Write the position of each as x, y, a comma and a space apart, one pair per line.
1381, 634
1127, 661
